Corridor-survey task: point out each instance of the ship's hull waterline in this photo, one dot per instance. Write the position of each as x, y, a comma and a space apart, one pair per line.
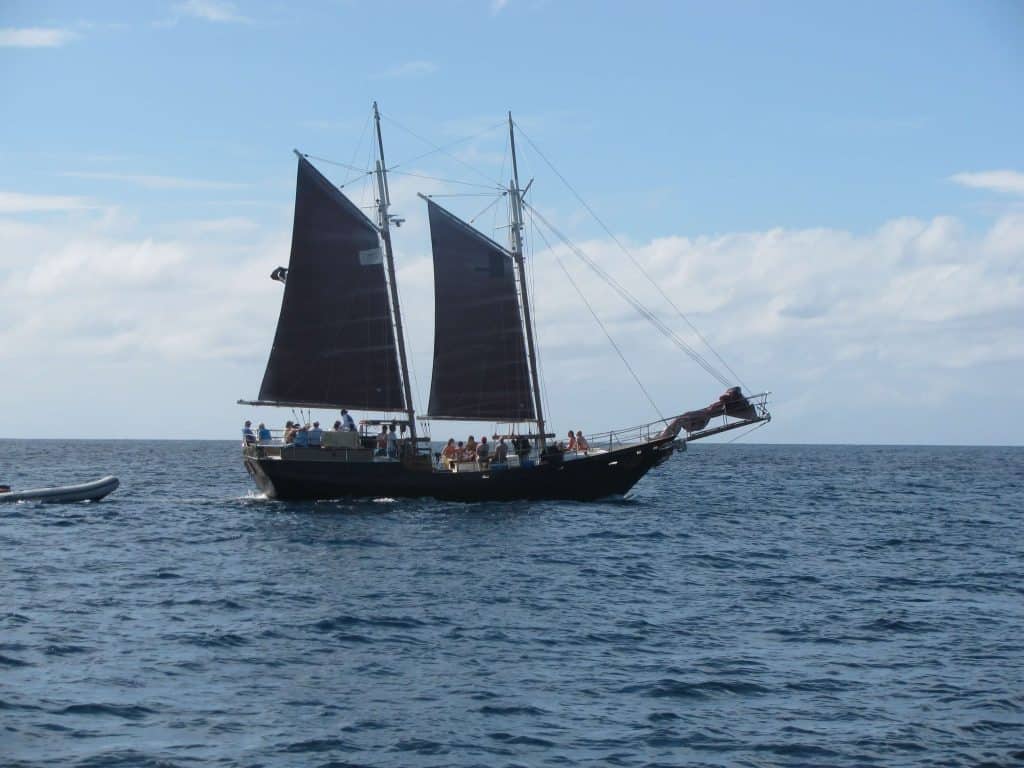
592, 477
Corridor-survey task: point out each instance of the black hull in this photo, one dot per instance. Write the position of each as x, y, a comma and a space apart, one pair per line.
592, 477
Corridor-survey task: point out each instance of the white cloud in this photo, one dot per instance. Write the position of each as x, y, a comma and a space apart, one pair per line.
497, 6
1007, 182
892, 335
35, 37
19, 202
154, 182
217, 11
419, 68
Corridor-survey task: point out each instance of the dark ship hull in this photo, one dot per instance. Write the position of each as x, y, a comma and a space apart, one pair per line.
319, 474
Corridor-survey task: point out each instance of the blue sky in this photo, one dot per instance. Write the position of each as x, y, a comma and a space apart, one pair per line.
848, 167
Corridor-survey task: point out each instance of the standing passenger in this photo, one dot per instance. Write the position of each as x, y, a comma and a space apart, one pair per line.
248, 438
501, 452
571, 445
392, 442
348, 423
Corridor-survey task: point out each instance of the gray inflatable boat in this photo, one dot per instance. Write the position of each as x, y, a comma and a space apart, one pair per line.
93, 491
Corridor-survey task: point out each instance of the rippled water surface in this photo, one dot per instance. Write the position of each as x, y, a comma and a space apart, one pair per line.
747, 605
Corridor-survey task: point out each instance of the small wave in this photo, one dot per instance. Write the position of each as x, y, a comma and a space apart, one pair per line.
214, 639
128, 758
679, 689
530, 741
9, 661
897, 625
65, 650
125, 711
346, 620
319, 745
494, 709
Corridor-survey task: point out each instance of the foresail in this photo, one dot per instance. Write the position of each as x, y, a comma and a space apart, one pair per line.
334, 344
480, 365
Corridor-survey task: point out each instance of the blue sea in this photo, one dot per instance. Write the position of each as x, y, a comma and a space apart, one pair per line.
746, 605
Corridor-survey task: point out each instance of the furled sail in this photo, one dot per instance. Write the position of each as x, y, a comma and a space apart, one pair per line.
335, 343
480, 367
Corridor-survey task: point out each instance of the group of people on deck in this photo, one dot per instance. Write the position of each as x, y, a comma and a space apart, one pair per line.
472, 451
299, 435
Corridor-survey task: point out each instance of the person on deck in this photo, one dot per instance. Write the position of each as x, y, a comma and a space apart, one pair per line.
315, 435
302, 436
248, 438
483, 452
501, 452
571, 445
449, 454
471, 449
460, 451
347, 422
382, 441
336, 427
262, 433
581, 442
392, 442
289, 433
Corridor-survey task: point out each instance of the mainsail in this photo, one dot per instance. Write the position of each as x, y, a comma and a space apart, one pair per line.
480, 364
335, 343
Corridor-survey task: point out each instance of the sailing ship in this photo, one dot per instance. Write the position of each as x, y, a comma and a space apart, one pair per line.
340, 343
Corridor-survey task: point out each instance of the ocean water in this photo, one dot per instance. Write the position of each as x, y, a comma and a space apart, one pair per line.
745, 606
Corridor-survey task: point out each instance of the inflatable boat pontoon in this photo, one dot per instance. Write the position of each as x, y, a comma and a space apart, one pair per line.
93, 491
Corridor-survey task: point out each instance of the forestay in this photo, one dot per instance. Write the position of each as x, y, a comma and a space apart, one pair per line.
480, 365
335, 343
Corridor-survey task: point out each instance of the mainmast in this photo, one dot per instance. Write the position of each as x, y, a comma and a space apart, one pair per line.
384, 200
515, 195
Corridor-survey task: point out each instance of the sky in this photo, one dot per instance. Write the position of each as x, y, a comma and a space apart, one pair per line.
833, 194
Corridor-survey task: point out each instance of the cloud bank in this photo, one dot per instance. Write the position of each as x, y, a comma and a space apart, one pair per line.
35, 37
889, 336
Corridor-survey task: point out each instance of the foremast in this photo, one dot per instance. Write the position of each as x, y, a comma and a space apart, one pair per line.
384, 223
516, 242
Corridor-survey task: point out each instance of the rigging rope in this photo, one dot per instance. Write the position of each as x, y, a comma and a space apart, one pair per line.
446, 181
652, 318
634, 260
594, 314
437, 148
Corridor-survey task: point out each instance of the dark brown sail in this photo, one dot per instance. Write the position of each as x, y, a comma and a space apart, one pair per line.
480, 367
334, 344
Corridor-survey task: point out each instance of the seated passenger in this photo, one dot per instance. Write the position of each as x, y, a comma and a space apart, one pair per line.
571, 445
263, 434
248, 438
460, 451
471, 449
336, 427
449, 454
289, 432
315, 435
501, 452
581, 442
302, 436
